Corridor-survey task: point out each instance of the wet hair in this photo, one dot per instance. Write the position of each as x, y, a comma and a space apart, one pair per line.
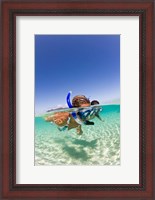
94, 102
78, 100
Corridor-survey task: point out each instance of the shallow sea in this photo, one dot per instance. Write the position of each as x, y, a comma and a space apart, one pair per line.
98, 145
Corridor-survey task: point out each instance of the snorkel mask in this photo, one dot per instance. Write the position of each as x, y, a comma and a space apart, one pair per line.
83, 113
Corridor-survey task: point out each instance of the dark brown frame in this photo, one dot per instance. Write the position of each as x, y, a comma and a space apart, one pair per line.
12, 8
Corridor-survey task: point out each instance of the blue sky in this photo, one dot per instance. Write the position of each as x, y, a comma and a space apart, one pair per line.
83, 64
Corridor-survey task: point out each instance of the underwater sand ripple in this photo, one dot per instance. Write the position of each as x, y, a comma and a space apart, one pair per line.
98, 145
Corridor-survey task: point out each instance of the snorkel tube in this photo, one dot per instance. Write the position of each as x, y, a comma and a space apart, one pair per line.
70, 106
68, 99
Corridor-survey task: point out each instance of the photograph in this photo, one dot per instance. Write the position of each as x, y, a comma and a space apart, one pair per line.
77, 100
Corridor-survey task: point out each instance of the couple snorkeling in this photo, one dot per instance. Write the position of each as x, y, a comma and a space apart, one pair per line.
85, 111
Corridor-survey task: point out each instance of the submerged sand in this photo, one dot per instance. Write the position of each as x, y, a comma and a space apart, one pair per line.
98, 145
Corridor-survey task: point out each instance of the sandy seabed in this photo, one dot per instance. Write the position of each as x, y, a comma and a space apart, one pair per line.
98, 145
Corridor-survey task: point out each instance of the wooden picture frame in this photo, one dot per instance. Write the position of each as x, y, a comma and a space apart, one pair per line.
11, 9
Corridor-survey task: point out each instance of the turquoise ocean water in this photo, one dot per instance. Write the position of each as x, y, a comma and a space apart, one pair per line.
98, 145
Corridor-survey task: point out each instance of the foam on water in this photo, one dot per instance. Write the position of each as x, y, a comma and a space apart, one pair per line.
98, 145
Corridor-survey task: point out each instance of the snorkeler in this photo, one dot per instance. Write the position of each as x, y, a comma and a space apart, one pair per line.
75, 119
84, 114
64, 120
67, 120
77, 102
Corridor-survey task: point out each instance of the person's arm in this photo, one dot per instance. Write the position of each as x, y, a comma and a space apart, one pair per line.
98, 116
